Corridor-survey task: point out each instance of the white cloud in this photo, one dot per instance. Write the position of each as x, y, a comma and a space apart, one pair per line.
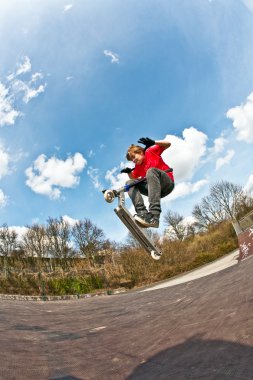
183, 189
8, 114
114, 57
188, 220
70, 220
248, 4
48, 176
249, 185
16, 89
225, 160
3, 199
35, 77
91, 153
115, 178
68, 7
242, 117
24, 67
94, 176
4, 161
185, 153
219, 144
20, 231
29, 92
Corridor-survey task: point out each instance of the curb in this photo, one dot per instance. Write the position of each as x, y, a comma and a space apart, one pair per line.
18, 297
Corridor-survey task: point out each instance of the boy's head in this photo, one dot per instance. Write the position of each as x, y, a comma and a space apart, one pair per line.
136, 154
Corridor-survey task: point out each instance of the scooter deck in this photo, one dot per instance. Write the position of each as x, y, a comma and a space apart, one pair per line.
137, 231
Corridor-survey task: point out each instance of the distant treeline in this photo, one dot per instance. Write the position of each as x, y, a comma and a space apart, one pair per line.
58, 258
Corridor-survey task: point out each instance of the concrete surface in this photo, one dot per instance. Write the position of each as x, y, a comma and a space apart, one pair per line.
201, 329
216, 266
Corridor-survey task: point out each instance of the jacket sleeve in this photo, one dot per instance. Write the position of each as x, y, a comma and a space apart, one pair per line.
157, 149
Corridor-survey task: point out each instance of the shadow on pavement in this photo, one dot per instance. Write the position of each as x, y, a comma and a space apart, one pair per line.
198, 358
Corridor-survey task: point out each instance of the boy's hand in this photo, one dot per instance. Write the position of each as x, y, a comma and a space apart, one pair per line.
146, 141
127, 170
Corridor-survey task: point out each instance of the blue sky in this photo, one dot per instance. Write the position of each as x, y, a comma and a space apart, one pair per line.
80, 81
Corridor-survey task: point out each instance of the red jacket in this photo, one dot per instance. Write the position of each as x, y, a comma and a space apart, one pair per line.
152, 159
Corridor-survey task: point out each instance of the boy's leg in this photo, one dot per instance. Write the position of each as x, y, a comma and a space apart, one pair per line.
136, 197
159, 185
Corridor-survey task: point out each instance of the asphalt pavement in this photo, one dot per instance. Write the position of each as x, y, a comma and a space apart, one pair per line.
201, 328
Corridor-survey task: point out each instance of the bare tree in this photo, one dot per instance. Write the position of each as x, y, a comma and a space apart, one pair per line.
244, 206
88, 238
59, 238
224, 202
227, 196
35, 241
8, 241
207, 213
132, 242
177, 228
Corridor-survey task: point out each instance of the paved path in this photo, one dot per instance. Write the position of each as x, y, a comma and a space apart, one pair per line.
202, 329
216, 266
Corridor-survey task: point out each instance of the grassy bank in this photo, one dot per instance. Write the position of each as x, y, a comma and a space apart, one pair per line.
128, 268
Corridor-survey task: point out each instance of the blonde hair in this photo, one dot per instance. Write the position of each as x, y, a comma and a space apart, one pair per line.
134, 149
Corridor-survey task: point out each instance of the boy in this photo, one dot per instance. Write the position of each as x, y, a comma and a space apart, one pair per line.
159, 183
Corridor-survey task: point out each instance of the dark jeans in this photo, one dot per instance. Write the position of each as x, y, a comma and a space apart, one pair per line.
157, 186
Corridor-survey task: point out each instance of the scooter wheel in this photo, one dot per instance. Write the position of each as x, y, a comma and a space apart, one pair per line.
155, 256
109, 196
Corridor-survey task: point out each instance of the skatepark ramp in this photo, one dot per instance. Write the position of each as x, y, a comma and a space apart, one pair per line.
198, 329
245, 238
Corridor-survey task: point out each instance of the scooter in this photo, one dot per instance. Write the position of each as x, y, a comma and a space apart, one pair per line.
129, 221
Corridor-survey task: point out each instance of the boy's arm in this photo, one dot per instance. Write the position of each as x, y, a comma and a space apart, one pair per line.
164, 144
128, 171
149, 142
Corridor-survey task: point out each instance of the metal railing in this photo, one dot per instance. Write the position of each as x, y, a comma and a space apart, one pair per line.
246, 221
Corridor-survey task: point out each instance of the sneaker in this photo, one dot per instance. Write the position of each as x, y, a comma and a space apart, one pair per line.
141, 214
147, 220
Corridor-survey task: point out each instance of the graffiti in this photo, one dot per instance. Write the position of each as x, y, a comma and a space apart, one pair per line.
246, 243
245, 249
251, 232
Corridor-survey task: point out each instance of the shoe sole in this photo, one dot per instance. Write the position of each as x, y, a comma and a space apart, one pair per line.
139, 224
141, 221
144, 224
